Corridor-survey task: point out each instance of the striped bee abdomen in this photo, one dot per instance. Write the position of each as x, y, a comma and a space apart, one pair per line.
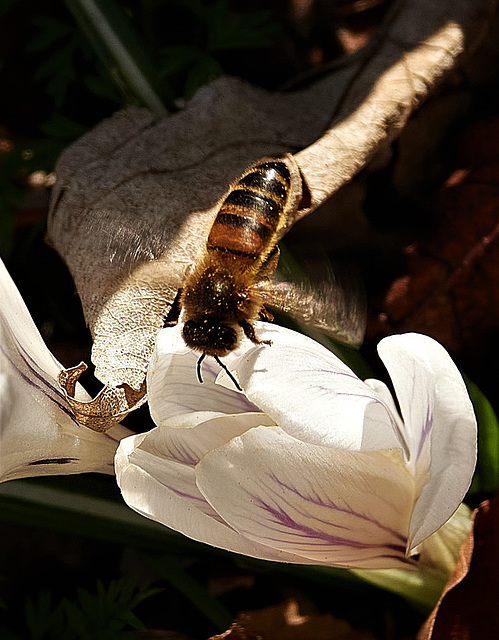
221, 298
249, 218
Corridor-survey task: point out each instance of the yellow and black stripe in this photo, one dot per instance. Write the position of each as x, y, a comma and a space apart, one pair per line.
249, 218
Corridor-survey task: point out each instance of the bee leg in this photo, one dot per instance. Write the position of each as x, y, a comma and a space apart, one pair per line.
265, 314
173, 314
198, 367
249, 332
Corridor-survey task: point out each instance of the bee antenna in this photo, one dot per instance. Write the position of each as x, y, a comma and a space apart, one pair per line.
225, 368
198, 366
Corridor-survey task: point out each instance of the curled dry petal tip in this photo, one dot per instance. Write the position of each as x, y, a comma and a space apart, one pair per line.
109, 406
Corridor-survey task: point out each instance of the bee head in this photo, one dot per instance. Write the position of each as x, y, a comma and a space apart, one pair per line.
211, 337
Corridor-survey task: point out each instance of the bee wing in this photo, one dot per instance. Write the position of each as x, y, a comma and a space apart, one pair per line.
337, 309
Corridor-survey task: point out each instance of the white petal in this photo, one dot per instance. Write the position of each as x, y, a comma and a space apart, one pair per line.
173, 387
38, 432
312, 394
161, 486
440, 426
187, 446
18, 328
40, 437
329, 506
385, 396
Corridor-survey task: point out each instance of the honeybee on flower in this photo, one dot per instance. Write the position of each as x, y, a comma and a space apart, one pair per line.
308, 464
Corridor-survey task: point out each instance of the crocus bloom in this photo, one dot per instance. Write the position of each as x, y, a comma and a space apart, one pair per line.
39, 434
309, 464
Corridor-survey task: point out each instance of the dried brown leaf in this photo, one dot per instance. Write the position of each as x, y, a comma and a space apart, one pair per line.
108, 407
449, 290
135, 198
285, 622
468, 609
160, 634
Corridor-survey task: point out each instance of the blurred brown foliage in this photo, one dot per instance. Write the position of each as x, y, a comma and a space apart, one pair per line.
449, 289
468, 608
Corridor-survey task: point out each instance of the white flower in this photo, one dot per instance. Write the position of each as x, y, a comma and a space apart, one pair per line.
310, 464
39, 434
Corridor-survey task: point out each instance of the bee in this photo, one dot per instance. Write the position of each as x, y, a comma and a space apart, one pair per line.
229, 288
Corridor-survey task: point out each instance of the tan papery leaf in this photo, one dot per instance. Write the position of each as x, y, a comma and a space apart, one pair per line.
135, 197
285, 622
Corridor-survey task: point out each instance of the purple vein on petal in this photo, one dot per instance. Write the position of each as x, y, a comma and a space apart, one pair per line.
183, 457
139, 458
309, 534
331, 505
59, 398
426, 430
52, 393
335, 372
367, 393
47, 389
343, 394
173, 451
346, 374
199, 502
280, 517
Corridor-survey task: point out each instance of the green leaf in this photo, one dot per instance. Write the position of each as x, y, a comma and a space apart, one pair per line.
59, 72
100, 86
177, 59
120, 48
61, 127
227, 30
212, 608
50, 505
487, 470
43, 619
50, 32
5, 5
109, 611
421, 588
205, 70
102, 615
